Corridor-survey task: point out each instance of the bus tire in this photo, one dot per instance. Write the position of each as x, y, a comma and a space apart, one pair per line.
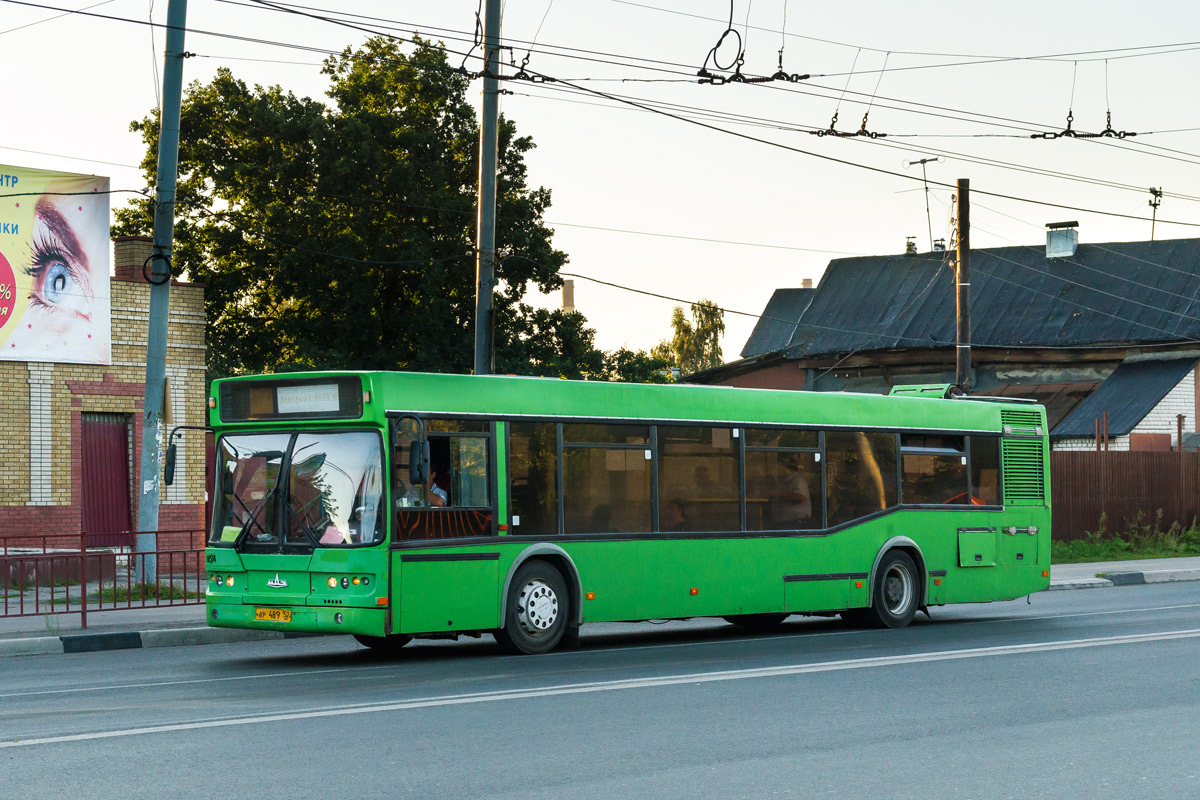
383, 644
537, 610
894, 595
757, 622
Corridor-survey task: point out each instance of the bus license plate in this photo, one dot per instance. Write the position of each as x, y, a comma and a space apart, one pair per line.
273, 614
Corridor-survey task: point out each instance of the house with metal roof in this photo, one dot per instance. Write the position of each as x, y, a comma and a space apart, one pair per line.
1096, 332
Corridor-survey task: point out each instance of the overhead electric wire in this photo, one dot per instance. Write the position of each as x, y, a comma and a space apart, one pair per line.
977, 59
764, 122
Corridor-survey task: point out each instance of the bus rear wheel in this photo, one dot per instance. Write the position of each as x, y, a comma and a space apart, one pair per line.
537, 610
383, 644
894, 595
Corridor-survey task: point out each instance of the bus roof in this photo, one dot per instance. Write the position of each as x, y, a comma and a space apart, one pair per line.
515, 396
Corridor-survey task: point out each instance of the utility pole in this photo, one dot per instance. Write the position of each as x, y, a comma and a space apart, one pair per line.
159, 275
1155, 202
962, 281
925, 180
485, 230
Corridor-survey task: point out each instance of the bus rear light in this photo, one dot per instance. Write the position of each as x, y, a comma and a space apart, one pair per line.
695, 591
591, 595
333, 583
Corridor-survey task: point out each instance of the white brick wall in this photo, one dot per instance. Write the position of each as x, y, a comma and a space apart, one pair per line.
41, 434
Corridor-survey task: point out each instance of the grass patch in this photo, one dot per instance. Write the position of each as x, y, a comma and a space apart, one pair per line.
1143, 537
134, 593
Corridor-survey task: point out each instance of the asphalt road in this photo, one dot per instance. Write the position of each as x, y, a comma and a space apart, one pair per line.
1080, 694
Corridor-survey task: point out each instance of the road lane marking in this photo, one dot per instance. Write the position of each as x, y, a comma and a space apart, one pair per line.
784, 633
619, 685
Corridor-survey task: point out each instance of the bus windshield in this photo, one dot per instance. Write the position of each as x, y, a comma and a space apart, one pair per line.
299, 490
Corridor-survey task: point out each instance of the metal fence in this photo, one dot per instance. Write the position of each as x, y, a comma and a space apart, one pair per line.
1122, 485
59, 574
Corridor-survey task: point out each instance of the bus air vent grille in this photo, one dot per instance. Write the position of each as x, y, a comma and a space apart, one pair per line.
1024, 472
1021, 419
332, 602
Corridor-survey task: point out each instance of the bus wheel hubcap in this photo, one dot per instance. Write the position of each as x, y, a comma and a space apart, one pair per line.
897, 590
537, 607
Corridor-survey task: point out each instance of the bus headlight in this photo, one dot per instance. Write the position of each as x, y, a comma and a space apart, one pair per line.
333, 583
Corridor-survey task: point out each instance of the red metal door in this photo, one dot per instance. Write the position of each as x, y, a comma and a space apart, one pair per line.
106, 516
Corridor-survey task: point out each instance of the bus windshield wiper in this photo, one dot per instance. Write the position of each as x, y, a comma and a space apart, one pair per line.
308, 532
243, 534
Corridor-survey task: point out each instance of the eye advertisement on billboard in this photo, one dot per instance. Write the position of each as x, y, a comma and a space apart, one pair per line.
54, 264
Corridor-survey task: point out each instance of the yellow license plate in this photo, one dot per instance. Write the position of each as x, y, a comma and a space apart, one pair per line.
273, 614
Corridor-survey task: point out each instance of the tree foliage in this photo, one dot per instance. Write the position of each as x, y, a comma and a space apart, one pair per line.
287, 205
695, 344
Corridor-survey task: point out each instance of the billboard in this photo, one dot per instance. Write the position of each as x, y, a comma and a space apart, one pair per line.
54, 263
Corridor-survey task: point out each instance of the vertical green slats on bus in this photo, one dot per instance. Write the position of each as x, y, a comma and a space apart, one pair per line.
502, 476
1022, 460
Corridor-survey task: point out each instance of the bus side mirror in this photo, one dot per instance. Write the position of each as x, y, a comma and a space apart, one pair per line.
418, 463
169, 465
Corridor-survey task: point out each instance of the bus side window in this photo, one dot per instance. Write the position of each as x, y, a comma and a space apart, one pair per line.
934, 470
985, 470
860, 474
606, 478
533, 476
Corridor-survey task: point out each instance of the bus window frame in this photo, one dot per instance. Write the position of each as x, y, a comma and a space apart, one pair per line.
741, 427
283, 487
424, 435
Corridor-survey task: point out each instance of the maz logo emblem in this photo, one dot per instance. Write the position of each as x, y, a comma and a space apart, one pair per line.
277, 582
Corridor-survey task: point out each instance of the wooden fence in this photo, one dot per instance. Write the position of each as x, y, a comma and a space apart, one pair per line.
1086, 484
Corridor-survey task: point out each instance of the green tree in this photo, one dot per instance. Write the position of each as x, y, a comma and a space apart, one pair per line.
340, 234
695, 344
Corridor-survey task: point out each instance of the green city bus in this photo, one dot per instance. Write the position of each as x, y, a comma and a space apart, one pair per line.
394, 506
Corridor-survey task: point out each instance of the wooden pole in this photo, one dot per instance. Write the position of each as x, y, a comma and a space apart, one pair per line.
962, 270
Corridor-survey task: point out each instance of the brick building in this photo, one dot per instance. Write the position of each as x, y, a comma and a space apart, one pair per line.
71, 441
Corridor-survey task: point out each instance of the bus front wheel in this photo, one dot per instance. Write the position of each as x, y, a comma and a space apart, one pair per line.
383, 644
894, 595
537, 610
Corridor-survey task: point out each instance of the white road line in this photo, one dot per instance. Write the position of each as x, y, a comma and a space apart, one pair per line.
620, 685
566, 653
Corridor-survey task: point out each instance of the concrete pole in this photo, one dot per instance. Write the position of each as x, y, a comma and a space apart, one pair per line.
160, 293
485, 230
962, 372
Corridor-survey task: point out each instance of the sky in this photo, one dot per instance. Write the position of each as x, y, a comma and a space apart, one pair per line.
967, 84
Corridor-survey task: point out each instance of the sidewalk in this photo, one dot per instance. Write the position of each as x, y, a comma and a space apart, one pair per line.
184, 625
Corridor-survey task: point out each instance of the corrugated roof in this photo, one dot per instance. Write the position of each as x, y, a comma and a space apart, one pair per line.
1107, 293
778, 321
1127, 395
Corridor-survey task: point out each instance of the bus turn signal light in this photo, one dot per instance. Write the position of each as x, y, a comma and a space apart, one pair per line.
858, 584
381, 601
695, 591
1045, 573
591, 595
356, 581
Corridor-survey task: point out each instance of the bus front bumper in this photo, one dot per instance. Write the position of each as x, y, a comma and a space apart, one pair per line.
303, 619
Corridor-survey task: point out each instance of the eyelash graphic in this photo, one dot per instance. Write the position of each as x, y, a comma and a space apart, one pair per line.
57, 280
